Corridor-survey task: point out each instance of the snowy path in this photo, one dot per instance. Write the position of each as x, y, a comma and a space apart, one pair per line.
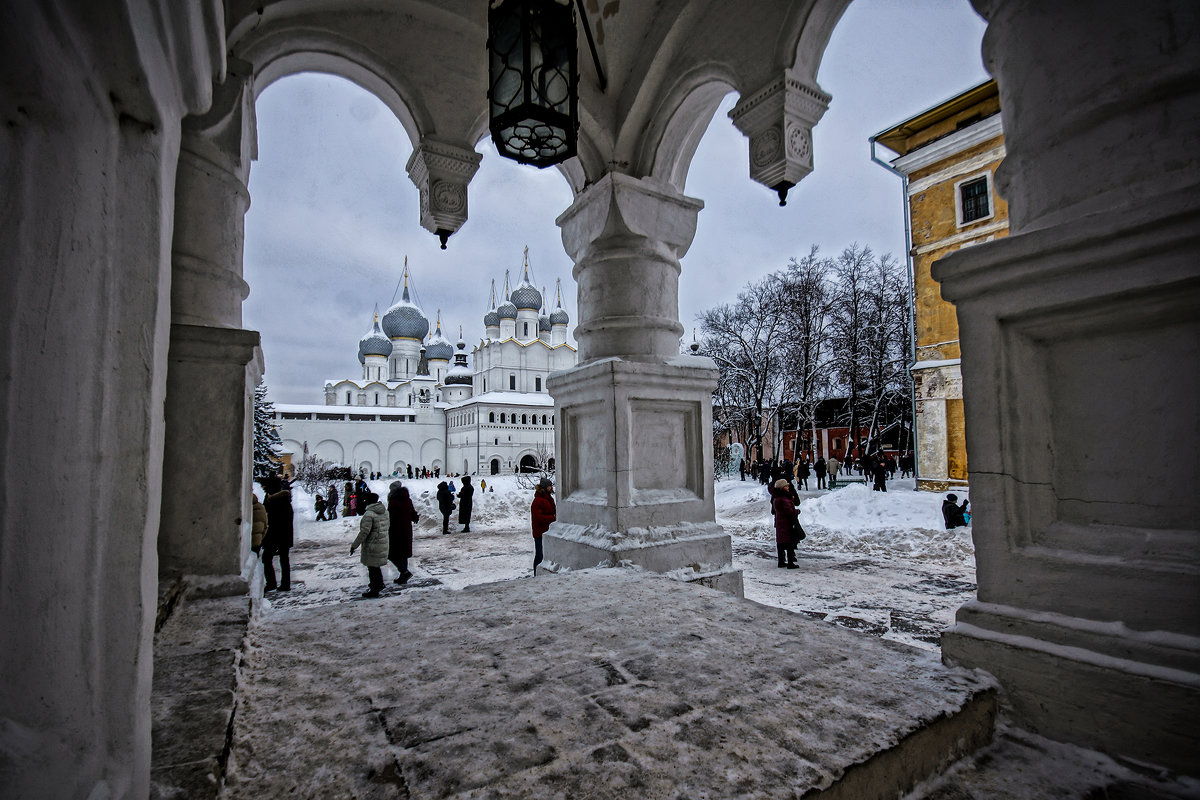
865, 565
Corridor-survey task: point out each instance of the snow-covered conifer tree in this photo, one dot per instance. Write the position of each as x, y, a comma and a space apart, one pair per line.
266, 435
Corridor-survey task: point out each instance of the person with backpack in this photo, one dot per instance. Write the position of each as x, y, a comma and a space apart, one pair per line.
445, 499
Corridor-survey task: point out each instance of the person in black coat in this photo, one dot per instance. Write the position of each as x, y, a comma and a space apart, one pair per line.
821, 469
401, 518
879, 470
445, 499
954, 514
278, 539
331, 503
464, 503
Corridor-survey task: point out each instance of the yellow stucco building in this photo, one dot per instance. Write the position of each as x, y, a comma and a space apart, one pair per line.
947, 157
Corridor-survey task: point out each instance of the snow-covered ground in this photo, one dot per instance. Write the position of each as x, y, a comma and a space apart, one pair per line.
880, 563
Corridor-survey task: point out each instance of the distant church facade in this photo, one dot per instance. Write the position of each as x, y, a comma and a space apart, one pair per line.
418, 403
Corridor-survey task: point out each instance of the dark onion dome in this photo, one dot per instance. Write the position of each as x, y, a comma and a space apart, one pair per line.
543, 323
458, 375
506, 310
439, 347
559, 317
405, 321
374, 343
491, 319
526, 297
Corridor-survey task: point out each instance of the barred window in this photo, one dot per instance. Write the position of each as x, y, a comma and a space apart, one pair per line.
975, 199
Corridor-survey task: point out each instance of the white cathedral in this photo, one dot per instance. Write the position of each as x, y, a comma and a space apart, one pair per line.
419, 403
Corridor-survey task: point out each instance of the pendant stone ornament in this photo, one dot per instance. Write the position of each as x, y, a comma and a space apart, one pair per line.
779, 119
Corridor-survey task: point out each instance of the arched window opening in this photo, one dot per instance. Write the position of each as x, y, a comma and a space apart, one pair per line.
495, 466
502, 418
523, 421
529, 464
491, 416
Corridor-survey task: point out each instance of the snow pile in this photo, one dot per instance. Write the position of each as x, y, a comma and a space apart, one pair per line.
900, 523
907, 524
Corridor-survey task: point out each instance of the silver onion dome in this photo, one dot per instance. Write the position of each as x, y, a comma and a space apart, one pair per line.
491, 319
506, 310
439, 347
374, 343
526, 297
543, 323
405, 321
559, 317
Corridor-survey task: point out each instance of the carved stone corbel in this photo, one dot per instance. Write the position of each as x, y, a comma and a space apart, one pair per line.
441, 173
779, 119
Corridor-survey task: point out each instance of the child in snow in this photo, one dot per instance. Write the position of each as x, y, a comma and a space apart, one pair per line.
319, 506
373, 536
954, 514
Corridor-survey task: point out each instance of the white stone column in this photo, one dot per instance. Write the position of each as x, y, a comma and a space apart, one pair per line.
1081, 366
213, 365
634, 434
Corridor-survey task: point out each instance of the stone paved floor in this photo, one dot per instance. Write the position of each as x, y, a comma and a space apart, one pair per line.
600, 684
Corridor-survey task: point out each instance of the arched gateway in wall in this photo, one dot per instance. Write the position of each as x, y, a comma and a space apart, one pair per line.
128, 139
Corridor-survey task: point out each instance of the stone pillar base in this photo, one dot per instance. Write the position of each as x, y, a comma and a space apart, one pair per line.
1073, 679
694, 553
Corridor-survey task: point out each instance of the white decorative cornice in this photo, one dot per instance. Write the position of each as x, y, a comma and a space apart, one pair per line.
947, 146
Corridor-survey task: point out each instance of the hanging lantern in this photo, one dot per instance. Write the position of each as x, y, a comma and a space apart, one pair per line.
533, 78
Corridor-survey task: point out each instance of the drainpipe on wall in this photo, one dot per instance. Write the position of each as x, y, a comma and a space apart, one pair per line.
912, 300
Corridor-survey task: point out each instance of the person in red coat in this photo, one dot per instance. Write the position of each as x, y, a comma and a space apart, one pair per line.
786, 517
401, 516
541, 512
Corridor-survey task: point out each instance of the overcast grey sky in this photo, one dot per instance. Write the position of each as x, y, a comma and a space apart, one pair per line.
333, 213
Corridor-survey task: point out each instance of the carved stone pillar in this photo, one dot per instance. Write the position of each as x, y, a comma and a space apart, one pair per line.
213, 364
635, 418
1081, 367
779, 119
441, 173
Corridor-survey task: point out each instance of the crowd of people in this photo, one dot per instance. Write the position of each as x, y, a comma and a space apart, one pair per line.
385, 533
878, 467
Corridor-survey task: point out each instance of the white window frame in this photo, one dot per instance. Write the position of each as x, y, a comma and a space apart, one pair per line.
991, 195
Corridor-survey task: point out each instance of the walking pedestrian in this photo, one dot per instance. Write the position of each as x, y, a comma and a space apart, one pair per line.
464, 503
834, 466
401, 518
445, 499
821, 469
319, 507
802, 472
541, 513
373, 536
277, 541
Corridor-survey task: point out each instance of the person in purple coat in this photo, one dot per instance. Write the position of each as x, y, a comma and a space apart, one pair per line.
786, 520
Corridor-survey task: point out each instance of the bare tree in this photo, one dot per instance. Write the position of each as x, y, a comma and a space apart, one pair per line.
742, 338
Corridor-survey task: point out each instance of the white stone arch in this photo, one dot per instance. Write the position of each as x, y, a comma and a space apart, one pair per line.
294, 447
400, 452
330, 450
432, 451
367, 452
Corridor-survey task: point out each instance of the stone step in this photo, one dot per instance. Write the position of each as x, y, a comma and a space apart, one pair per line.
601, 683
